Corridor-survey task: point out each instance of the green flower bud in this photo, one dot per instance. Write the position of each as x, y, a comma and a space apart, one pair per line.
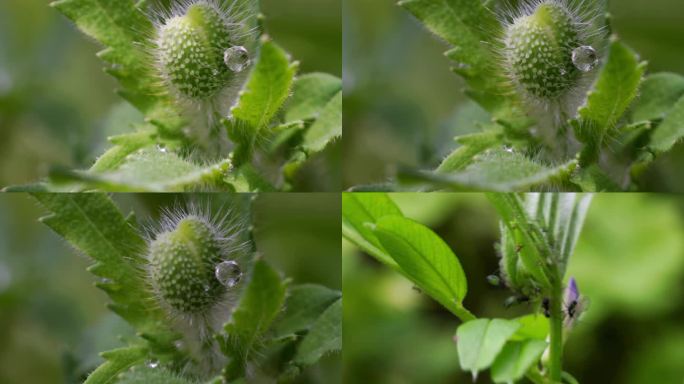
195, 51
539, 51
183, 264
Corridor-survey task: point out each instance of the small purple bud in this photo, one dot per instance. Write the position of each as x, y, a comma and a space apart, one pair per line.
571, 292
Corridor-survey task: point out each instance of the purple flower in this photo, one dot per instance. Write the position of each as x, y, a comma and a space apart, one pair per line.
571, 292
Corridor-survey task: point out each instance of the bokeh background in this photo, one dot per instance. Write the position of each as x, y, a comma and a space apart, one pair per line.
403, 105
57, 105
629, 262
53, 321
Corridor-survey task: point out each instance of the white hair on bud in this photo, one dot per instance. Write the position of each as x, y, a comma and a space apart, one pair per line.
228, 229
552, 111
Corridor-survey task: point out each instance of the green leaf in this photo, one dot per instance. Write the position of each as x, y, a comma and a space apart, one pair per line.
516, 359
303, 307
480, 342
324, 337
616, 87
426, 260
465, 24
149, 170
358, 209
310, 94
670, 131
93, 225
117, 361
471, 145
532, 326
125, 30
260, 304
327, 127
124, 145
267, 87
659, 92
147, 375
262, 97
495, 170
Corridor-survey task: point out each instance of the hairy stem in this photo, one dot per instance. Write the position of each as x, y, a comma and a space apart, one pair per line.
556, 331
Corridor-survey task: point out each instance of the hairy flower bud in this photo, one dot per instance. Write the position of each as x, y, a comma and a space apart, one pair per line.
199, 50
539, 49
183, 263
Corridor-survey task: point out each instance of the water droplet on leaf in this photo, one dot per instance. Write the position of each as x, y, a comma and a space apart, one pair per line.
153, 364
236, 58
228, 273
584, 58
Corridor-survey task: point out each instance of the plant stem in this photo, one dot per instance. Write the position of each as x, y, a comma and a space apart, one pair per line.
556, 331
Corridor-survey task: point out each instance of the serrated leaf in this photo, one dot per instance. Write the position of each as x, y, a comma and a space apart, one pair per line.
310, 94
465, 24
480, 341
125, 30
267, 87
124, 145
426, 260
471, 145
149, 170
117, 361
358, 209
613, 92
324, 337
327, 127
258, 307
670, 131
496, 170
659, 92
93, 225
148, 375
304, 305
516, 359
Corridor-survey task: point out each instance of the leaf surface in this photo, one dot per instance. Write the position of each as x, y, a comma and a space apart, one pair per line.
516, 359
324, 337
480, 342
258, 307
426, 260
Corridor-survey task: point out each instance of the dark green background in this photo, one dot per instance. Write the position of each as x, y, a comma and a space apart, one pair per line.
403, 105
53, 321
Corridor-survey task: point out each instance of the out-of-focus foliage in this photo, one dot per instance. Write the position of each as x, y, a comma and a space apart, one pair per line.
53, 321
629, 262
403, 106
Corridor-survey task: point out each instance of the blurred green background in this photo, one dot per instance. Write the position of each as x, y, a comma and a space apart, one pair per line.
56, 102
629, 262
403, 105
53, 321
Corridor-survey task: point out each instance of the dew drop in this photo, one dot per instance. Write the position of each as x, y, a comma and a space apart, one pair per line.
162, 148
508, 149
153, 364
236, 58
228, 273
584, 58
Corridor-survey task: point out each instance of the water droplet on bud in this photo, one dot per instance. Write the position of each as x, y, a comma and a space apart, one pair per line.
584, 58
228, 273
236, 58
